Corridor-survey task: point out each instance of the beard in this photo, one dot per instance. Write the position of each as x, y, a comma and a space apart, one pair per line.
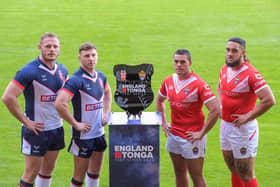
234, 63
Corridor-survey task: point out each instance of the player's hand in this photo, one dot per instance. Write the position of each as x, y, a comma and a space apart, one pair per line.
105, 120
240, 119
34, 126
193, 136
166, 128
82, 127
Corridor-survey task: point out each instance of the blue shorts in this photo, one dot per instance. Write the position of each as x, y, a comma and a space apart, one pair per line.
84, 148
38, 145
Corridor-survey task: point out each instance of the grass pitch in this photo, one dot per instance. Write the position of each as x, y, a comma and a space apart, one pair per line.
144, 31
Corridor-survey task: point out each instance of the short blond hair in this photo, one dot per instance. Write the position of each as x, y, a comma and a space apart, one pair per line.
48, 35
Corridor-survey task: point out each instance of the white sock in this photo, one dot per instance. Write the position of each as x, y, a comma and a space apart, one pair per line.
42, 181
92, 182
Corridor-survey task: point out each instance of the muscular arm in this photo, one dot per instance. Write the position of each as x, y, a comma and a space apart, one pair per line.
9, 98
107, 104
61, 105
267, 100
213, 114
212, 117
160, 107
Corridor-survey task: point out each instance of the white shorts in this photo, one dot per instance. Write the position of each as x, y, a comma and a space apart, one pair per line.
243, 141
185, 148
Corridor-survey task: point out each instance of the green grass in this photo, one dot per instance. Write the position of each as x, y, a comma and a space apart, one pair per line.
144, 31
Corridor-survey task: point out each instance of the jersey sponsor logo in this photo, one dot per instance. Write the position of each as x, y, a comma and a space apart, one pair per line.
48, 98
88, 86
207, 93
92, 107
207, 87
259, 83
231, 94
44, 77
179, 105
258, 76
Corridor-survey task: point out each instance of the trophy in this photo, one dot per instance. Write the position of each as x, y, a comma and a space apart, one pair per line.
133, 89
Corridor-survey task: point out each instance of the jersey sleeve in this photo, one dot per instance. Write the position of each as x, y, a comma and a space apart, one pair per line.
257, 81
205, 92
24, 77
72, 86
163, 89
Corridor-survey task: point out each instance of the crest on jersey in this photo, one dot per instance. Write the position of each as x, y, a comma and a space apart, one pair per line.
60, 75
236, 80
133, 92
186, 90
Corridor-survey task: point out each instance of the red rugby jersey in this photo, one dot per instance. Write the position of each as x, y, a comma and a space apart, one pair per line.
238, 89
186, 98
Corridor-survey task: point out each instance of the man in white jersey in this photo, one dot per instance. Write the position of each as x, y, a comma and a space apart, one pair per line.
240, 86
91, 99
42, 131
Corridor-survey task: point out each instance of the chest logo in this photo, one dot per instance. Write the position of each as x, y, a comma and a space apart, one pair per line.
186, 91
236, 80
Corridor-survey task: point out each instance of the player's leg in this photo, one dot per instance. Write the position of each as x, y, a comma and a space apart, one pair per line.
31, 169
80, 169
94, 169
245, 168
48, 164
195, 159
99, 145
236, 181
226, 144
244, 152
180, 169
195, 167
55, 142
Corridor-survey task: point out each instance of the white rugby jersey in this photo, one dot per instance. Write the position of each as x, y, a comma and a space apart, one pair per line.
40, 86
87, 101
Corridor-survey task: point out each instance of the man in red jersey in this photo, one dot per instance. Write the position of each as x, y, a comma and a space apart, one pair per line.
240, 86
186, 142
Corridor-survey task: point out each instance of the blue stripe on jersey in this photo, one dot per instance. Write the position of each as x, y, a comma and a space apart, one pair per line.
40, 89
87, 101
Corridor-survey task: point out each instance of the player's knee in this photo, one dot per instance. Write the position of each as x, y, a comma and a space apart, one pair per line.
47, 169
